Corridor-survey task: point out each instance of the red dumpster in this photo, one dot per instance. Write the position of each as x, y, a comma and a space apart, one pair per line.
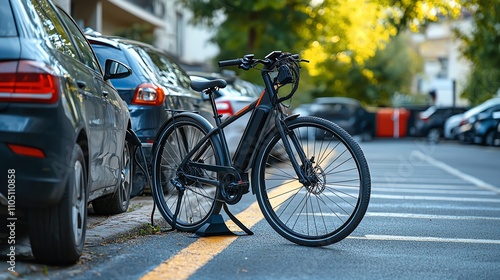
392, 122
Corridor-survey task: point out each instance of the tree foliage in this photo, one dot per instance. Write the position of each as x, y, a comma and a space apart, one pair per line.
348, 42
482, 48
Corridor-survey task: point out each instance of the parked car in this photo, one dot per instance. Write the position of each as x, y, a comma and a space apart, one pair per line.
62, 130
450, 129
157, 86
486, 129
496, 138
348, 113
478, 124
430, 122
229, 100
302, 109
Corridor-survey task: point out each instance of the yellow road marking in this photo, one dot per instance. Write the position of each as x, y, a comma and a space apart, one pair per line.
197, 254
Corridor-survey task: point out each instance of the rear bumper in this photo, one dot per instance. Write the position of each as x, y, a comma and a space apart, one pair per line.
146, 120
36, 182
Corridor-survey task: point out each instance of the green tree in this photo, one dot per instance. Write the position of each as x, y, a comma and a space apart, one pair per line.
258, 26
390, 70
339, 37
482, 48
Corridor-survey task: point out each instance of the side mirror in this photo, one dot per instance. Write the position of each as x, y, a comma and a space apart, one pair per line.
115, 69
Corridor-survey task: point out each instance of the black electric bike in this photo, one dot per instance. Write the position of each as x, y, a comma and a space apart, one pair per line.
310, 177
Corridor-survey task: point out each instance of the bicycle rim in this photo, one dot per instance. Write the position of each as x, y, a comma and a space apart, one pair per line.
331, 207
198, 201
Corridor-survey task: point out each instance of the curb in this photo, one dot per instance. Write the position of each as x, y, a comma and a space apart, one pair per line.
100, 229
110, 228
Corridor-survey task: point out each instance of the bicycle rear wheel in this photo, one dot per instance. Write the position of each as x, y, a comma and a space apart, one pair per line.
331, 207
198, 200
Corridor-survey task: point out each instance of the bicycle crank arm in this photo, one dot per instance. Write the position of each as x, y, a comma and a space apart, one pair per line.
217, 168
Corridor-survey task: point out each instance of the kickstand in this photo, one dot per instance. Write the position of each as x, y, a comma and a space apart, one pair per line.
216, 226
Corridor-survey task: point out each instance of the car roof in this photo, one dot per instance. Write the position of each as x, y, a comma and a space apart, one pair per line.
103, 41
115, 41
481, 107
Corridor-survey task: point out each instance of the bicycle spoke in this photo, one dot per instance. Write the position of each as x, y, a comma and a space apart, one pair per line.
329, 206
198, 200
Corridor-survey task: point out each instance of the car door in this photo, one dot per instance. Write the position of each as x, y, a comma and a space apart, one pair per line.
109, 150
91, 103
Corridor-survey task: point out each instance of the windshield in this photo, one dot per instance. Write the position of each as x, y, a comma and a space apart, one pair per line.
479, 108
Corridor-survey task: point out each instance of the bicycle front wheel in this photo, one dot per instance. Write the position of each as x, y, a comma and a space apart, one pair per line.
333, 203
172, 191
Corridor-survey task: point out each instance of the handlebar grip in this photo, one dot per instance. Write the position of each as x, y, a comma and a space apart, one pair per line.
231, 62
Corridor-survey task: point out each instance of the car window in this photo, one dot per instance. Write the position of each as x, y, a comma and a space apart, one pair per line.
81, 43
429, 112
168, 70
7, 23
493, 109
144, 59
57, 35
183, 77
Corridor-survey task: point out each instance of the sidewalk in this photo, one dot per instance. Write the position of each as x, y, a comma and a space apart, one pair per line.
100, 229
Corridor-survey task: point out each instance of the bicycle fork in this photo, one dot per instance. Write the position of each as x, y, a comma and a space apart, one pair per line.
304, 169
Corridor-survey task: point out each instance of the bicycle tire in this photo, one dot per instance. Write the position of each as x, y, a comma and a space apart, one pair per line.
330, 209
199, 201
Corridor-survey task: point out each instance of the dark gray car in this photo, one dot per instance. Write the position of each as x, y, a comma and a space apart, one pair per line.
347, 112
62, 130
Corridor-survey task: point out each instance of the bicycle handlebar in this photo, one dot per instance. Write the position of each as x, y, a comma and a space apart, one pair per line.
248, 60
286, 63
231, 62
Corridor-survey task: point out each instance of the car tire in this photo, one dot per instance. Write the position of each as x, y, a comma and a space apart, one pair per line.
434, 135
119, 200
489, 139
57, 233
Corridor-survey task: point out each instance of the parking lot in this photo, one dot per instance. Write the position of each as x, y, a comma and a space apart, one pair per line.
433, 214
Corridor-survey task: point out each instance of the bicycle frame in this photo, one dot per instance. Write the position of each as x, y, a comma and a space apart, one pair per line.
252, 138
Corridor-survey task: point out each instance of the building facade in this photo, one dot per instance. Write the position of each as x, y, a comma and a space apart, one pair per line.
164, 20
445, 69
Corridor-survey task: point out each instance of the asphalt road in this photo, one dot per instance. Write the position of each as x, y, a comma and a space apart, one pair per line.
434, 214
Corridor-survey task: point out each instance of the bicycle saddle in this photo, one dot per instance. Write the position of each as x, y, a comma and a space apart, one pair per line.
200, 84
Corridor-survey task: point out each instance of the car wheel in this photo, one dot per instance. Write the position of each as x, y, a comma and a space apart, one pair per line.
489, 139
57, 233
118, 201
434, 135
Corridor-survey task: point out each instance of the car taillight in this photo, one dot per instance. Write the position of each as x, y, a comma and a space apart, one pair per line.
148, 94
224, 108
27, 81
